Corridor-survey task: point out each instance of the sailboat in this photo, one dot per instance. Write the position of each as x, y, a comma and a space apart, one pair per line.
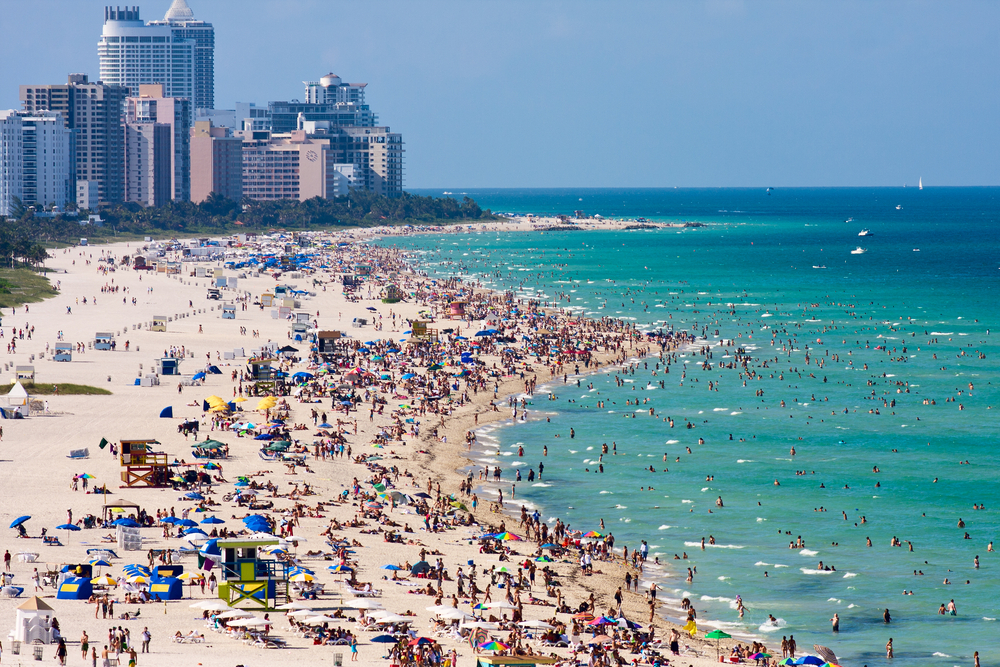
920, 183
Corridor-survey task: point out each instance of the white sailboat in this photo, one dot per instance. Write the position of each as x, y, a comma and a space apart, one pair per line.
920, 183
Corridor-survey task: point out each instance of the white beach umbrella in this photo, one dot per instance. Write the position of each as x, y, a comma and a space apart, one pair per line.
362, 603
542, 625
291, 606
319, 620
438, 608
235, 613
302, 613
211, 605
395, 618
472, 625
454, 615
500, 605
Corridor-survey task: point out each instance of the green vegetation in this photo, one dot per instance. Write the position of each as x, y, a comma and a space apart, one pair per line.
61, 388
20, 286
218, 215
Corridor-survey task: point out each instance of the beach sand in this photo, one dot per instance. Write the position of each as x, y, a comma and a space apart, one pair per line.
37, 473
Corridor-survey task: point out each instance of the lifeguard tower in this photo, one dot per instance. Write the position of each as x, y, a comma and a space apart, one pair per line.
422, 332
456, 309
26, 373
267, 300
143, 467
168, 366
261, 372
104, 341
159, 323
63, 352
250, 580
228, 312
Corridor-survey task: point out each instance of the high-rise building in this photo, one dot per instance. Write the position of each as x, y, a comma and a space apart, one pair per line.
178, 52
94, 113
183, 25
147, 163
152, 106
336, 111
329, 99
11, 160
216, 163
296, 165
34, 160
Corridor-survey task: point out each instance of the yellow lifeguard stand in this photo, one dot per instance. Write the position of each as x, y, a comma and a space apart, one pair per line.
422, 332
142, 466
249, 580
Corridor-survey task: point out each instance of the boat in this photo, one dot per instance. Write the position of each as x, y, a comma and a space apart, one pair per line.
859, 251
920, 183
818, 267
865, 232
849, 220
899, 207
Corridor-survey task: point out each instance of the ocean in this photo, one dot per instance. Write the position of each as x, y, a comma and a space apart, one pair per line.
881, 374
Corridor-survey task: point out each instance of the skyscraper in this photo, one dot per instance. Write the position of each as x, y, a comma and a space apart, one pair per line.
183, 25
94, 113
178, 52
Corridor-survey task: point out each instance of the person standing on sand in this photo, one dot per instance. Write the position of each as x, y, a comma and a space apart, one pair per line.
84, 644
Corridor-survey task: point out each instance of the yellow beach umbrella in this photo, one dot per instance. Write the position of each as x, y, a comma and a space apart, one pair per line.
267, 403
190, 575
103, 581
301, 576
240, 399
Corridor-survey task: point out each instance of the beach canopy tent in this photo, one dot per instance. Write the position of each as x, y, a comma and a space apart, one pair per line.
17, 395
120, 507
167, 412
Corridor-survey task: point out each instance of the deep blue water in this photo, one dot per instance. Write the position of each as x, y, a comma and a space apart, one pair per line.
925, 292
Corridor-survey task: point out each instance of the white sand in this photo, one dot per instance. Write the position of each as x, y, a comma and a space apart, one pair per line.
36, 472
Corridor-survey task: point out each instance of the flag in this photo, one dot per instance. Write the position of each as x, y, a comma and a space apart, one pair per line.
104, 443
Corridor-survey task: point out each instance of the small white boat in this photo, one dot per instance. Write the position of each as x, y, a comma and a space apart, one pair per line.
859, 251
920, 183
865, 232
849, 220
899, 207
818, 267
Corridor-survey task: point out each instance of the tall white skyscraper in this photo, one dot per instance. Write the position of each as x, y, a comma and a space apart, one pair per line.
34, 159
178, 52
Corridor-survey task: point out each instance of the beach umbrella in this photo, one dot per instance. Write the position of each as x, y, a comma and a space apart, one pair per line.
810, 660
340, 568
759, 656
187, 523
169, 519
362, 603
625, 623
394, 568
825, 653
583, 616
138, 579
718, 635
494, 646
212, 520
291, 606
128, 523
541, 625
593, 534
543, 559
235, 613
384, 639
85, 476
599, 639
210, 605
68, 526
99, 562
549, 545
301, 576
421, 641
319, 620
420, 567
19, 520
506, 537
103, 581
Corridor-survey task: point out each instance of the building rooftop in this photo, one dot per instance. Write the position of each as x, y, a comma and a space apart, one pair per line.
179, 11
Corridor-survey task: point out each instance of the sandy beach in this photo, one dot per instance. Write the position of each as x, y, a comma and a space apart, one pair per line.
38, 475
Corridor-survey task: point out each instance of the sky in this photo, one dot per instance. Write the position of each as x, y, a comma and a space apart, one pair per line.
578, 93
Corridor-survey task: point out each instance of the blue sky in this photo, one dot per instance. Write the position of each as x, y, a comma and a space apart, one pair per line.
538, 93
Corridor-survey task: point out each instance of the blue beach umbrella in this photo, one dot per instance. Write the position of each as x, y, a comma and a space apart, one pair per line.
187, 523
394, 568
68, 526
212, 519
19, 520
128, 523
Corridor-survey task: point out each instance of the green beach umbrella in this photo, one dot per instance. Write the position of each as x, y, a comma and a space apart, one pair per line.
717, 635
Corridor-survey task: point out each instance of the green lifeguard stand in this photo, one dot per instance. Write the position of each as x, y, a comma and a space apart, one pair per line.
250, 581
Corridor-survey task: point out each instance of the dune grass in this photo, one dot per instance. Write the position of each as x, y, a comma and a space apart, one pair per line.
64, 389
20, 286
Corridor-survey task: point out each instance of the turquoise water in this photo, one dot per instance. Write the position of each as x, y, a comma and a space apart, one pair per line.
749, 277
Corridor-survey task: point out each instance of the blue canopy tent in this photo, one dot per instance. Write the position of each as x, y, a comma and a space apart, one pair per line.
167, 412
